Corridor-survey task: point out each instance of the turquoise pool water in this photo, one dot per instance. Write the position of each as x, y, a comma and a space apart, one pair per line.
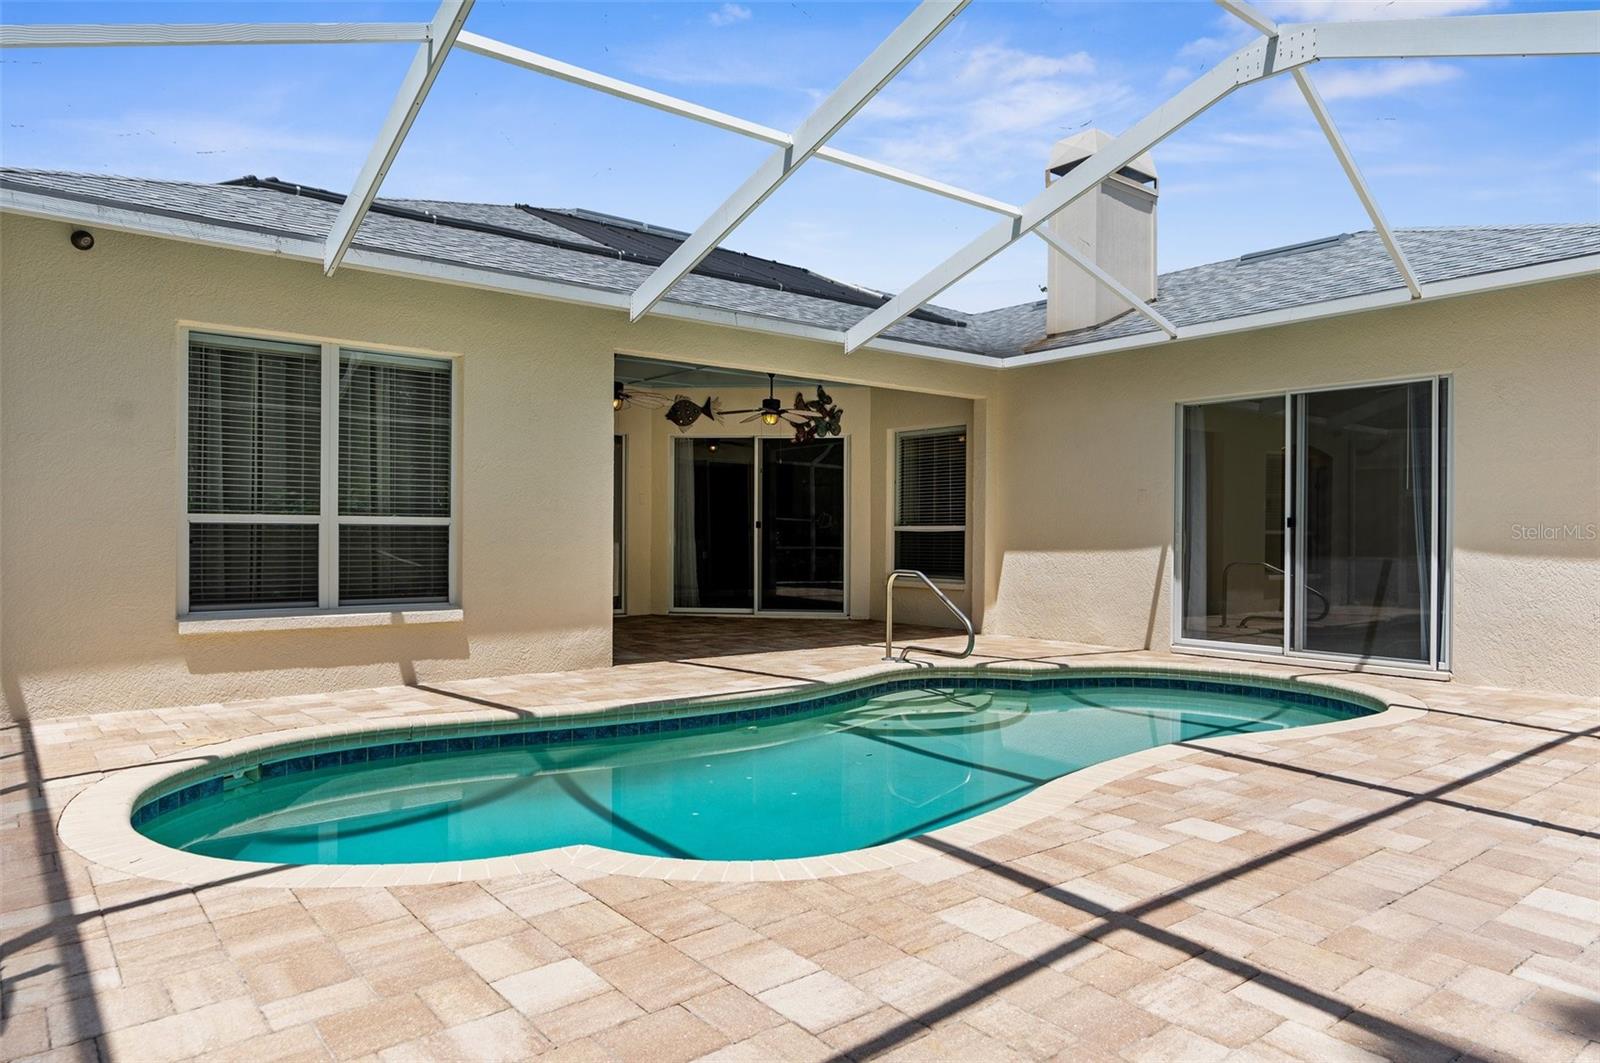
889, 762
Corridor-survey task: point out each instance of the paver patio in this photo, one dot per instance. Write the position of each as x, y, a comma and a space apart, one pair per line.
1429, 890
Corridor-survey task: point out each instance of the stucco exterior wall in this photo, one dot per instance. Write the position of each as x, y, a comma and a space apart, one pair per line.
1081, 541
89, 462
1071, 485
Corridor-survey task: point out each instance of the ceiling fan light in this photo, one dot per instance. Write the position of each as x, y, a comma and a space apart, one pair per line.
769, 418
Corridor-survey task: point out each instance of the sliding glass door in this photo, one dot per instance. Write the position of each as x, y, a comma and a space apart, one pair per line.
713, 510
1232, 497
802, 526
759, 525
1352, 565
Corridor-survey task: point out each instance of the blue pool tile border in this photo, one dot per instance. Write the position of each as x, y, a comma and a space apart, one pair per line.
513, 736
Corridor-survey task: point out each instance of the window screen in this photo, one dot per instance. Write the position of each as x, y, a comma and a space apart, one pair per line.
393, 563
242, 566
394, 436
930, 524
255, 424
259, 535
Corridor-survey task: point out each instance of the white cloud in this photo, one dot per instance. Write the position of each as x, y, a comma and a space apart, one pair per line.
728, 14
990, 111
1361, 10
1368, 82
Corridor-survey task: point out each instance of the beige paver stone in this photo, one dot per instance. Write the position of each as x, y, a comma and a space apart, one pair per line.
1249, 896
461, 999
501, 1036
295, 972
513, 954
670, 1036
733, 1011
318, 1003
551, 986
759, 966
986, 918
368, 1028
1175, 1044
818, 1001
210, 1029
658, 976
584, 1018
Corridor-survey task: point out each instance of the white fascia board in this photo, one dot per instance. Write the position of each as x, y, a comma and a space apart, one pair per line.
309, 249
143, 223
420, 76
1116, 287
1251, 63
489, 48
1539, 33
1564, 269
902, 45
137, 35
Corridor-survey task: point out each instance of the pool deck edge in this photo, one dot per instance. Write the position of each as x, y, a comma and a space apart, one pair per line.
97, 822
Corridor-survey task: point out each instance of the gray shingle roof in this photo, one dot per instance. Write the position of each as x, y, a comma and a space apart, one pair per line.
1355, 264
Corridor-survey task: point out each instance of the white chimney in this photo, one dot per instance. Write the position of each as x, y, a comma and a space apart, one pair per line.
1113, 225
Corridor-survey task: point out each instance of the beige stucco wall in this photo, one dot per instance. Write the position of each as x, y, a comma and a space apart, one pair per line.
1081, 538
1071, 486
89, 503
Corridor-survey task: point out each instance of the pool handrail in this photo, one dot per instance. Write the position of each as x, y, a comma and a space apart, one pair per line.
888, 619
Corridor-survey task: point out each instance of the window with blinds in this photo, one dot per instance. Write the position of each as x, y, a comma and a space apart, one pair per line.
930, 519
295, 501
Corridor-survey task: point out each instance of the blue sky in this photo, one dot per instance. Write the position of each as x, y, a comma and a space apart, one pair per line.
1443, 143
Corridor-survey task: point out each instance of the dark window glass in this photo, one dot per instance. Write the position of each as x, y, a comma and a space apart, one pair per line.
393, 563
243, 566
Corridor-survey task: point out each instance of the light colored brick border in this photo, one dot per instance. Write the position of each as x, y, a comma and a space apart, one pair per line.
97, 823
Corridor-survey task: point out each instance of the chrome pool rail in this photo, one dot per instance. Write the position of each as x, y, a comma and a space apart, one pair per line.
888, 618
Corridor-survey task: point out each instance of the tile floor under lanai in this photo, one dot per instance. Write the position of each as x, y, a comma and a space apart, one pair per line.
1426, 891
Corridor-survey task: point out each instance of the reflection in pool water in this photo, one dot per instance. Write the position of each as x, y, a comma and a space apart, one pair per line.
898, 761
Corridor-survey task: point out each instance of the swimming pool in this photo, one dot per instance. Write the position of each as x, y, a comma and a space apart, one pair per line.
808, 774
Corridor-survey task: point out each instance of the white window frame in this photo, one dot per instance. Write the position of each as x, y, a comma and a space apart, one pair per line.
327, 518
966, 504
1439, 665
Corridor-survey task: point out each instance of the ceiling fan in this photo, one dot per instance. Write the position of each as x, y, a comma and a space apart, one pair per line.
771, 410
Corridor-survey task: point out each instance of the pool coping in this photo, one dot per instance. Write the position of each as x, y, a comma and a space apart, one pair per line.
97, 823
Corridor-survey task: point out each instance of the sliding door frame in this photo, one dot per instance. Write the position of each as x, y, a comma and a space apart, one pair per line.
1442, 522
755, 531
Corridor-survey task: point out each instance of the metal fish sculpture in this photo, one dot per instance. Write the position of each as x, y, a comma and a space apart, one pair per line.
683, 412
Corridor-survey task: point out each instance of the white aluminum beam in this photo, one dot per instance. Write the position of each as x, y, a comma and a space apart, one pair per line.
1546, 33
159, 34
1250, 16
424, 70
490, 48
478, 44
1250, 63
1541, 33
1120, 290
888, 59
1357, 182
1259, 21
